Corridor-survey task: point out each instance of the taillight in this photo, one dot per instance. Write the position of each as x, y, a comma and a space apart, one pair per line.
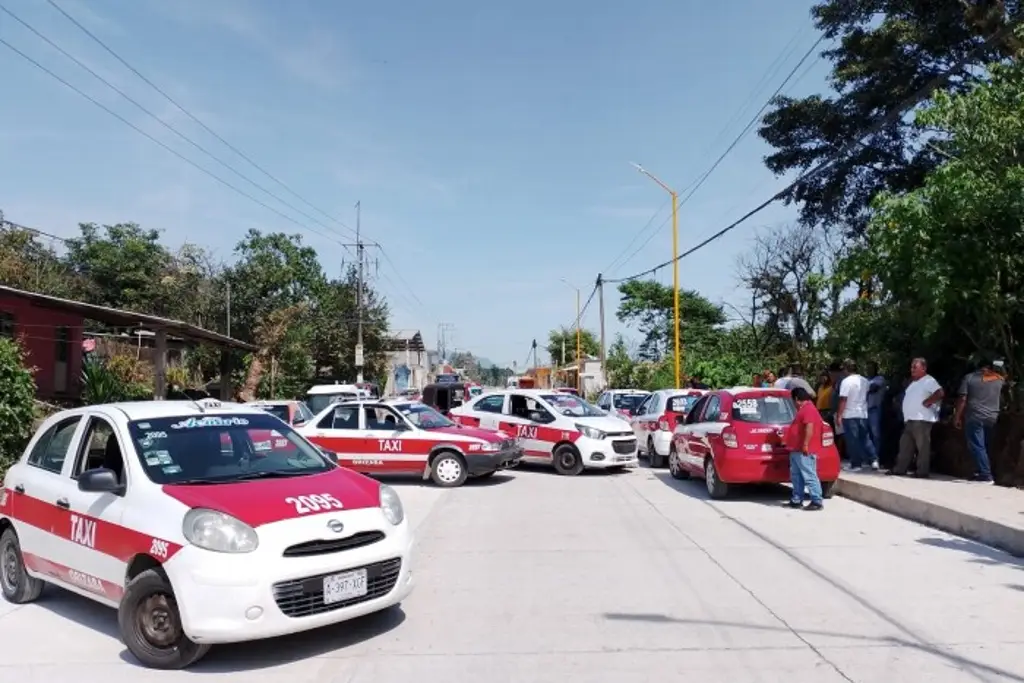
663, 425
729, 438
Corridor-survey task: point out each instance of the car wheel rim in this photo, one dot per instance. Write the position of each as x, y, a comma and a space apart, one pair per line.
568, 460
158, 622
10, 569
709, 477
673, 462
449, 470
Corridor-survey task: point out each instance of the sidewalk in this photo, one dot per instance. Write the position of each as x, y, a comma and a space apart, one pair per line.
993, 515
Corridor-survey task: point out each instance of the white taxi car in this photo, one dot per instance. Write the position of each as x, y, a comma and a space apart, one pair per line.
407, 437
655, 419
554, 428
167, 511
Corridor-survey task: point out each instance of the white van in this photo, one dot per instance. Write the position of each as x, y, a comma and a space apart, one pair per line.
323, 395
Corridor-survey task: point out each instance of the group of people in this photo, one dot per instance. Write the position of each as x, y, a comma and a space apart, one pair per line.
853, 405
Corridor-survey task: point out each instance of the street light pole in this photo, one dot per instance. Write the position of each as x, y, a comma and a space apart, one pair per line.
579, 362
675, 272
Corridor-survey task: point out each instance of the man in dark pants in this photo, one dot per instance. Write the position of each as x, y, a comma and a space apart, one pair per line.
977, 410
921, 401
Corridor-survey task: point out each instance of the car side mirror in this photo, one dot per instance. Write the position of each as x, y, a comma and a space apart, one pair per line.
298, 422
535, 416
100, 480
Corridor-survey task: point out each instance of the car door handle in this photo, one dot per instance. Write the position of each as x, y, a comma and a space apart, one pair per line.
63, 503
19, 489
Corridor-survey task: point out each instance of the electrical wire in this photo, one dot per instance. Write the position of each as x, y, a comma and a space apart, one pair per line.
162, 122
193, 117
696, 185
914, 99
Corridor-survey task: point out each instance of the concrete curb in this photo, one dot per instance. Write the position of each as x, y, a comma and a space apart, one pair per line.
944, 518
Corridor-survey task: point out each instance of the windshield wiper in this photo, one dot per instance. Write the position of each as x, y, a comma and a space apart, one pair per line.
196, 482
270, 474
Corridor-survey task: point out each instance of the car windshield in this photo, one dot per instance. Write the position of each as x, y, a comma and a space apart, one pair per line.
222, 449
627, 401
318, 402
764, 409
424, 417
681, 404
571, 405
278, 411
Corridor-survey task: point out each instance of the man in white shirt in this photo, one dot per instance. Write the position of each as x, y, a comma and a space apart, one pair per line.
852, 418
921, 402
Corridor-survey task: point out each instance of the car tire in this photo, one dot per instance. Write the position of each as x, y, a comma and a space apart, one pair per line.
675, 468
828, 489
567, 461
654, 460
717, 488
150, 624
18, 587
448, 470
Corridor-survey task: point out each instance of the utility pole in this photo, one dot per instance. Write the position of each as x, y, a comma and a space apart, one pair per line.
360, 248
600, 308
227, 297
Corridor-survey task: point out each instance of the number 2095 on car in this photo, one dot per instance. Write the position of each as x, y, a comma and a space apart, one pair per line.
344, 586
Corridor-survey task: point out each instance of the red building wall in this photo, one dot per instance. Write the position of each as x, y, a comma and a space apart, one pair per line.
47, 335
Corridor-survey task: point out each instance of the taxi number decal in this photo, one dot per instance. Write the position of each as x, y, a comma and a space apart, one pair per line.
390, 445
314, 503
158, 548
86, 581
365, 461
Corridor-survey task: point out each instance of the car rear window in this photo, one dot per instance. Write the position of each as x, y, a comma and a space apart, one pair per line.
627, 401
764, 409
280, 412
681, 404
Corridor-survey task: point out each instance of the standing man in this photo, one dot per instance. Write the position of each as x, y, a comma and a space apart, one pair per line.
876, 398
977, 410
793, 379
803, 440
852, 418
921, 401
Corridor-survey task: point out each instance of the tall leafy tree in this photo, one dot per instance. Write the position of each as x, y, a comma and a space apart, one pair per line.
564, 338
885, 52
121, 266
648, 305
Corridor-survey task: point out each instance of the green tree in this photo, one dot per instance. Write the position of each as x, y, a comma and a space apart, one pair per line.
121, 266
949, 256
619, 365
648, 305
565, 337
17, 402
885, 52
26, 263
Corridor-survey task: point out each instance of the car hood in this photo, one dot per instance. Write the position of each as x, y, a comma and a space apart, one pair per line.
265, 501
487, 435
605, 424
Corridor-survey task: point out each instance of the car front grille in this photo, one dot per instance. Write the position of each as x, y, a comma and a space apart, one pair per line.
334, 545
624, 446
305, 597
614, 435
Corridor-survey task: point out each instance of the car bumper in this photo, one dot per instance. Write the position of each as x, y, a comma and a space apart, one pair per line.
661, 440
602, 454
770, 469
480, 463
239, 598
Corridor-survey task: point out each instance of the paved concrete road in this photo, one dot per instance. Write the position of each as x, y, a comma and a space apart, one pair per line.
618, 578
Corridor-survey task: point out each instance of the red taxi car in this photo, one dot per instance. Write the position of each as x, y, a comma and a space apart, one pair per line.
402, 437
735, 436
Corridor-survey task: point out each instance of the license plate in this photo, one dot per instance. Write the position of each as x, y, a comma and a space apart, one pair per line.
341, 587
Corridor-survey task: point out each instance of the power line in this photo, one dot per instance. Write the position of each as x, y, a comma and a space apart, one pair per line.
167, 147
194, 118
161, 121
696, 185
914, 99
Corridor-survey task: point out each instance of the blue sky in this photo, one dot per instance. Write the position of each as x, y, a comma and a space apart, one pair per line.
492, 138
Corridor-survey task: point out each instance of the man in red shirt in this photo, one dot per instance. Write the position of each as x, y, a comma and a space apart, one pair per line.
803, 439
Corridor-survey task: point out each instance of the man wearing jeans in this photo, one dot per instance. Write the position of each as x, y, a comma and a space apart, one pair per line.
803, 440
876, 397
977, 410
852, 418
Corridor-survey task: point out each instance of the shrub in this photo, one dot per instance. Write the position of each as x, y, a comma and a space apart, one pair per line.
17, 402
118, 378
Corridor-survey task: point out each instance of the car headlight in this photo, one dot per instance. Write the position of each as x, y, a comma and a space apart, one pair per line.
490, 447
391, 505
216, 531
590, 432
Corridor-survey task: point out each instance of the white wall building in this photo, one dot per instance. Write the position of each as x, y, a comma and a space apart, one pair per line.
408, 362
